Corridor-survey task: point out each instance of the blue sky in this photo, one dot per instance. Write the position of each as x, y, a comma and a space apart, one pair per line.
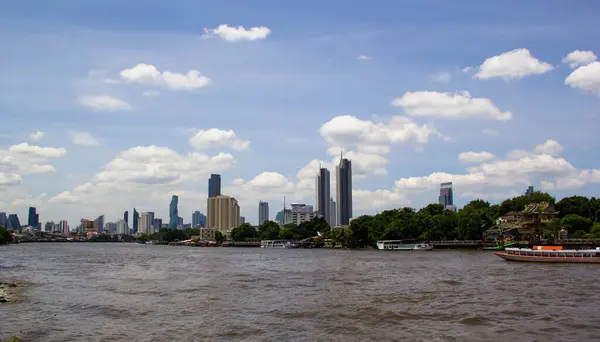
291, 94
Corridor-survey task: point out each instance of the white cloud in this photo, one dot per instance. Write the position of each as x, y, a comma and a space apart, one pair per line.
586, 78
378, 200
10, 179
578, 58
268, 180
235, 34
104, 103
214, 137
442, 77
513, 64
551, 147
27, 159
37, 151
83, 138
36, 136
148, 74
459, 105
151, 93
467, 69
489, 131
490, 195
364, 58
475, 157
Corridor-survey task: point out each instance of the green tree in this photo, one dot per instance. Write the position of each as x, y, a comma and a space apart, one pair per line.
595, 231
192, 232
5, 236
519, 203
577, 205
245, 232
269, 230
574, 222
219, 238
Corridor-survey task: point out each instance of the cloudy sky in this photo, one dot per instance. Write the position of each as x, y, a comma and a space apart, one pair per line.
110, 104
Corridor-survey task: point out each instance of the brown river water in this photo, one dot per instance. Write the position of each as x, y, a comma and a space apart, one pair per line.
132, 292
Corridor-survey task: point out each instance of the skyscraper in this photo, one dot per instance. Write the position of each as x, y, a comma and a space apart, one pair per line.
446, 195
157, 224
3, 220
242, 220
136, 218
223, 213
196, 218
323, 189
214, 185
13, 222
343, 187
34, 218
122, 228
146, 223
100, 223
173, 212
263, 212
126, 217
332, 213
529, 191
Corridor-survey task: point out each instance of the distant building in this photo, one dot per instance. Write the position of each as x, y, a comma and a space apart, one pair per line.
88, 226
100, 223
3, 220
206, 234
122, 227
126, 217
157, 224
300, 213
263, 212
180, 224
64, 228
13, 222
34, 219
49, 226
136, 219
332, 213
447, 195
111, 227
223, 213
280, 217
242, 220
198, 219
173, 212
214, 185
146, 223
344, 191
323, 194
529, 191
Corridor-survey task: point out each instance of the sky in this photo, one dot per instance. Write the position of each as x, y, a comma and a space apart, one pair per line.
107, 105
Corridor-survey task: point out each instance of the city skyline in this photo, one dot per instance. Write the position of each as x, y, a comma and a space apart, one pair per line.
108, 113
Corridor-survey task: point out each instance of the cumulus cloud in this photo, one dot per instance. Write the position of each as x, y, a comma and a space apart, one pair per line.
214, 137
586, 78
513, 64
459, 105
10, 179
83, 138
550, 147
579, 58
236, 34
104, 103
27, 159
364, 58
37, 151
475, 157
467, 69
148, 74
36, 136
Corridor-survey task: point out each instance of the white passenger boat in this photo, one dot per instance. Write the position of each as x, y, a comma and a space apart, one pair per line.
278, 244
554, 254
403, 245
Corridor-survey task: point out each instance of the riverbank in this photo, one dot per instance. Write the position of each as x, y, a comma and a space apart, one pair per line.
9, 291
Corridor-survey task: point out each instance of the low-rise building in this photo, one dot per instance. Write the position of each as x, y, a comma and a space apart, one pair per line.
206, 234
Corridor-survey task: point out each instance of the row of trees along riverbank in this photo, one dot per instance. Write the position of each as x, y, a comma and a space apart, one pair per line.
577, 214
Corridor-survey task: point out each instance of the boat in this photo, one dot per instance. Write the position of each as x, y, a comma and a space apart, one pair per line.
279, 244
500, 245
403, 245
553, 254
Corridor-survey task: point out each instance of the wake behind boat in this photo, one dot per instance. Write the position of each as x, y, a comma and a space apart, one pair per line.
403, 245
554, 254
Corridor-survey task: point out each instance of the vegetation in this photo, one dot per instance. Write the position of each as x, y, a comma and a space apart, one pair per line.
5, 236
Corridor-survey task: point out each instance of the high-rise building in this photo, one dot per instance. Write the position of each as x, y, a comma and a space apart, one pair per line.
343, 191
111, 227
198, 219
180, 222
64, 228
446, 195
126, 217
529, 191
242, 220
100, 223
49, 226
214, 185
157, 224
13, 222
136, 219
34, 219
88, 226
323, 192
332, 213
3, 220
263, 212
146, 223
122, 227
173, 212
223, 213
300, 213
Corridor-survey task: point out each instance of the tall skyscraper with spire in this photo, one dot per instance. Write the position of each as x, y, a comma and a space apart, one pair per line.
173, 213
323, 192
344, 191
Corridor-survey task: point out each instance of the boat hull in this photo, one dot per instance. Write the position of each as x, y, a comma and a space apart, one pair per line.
562, 260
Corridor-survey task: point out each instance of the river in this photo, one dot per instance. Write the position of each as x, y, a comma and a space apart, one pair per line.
132, 292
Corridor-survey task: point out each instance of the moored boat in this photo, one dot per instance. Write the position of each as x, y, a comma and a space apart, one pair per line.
279, 244
553, 254
403, 245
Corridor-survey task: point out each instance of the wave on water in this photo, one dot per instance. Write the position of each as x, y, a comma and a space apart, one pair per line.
8, 266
